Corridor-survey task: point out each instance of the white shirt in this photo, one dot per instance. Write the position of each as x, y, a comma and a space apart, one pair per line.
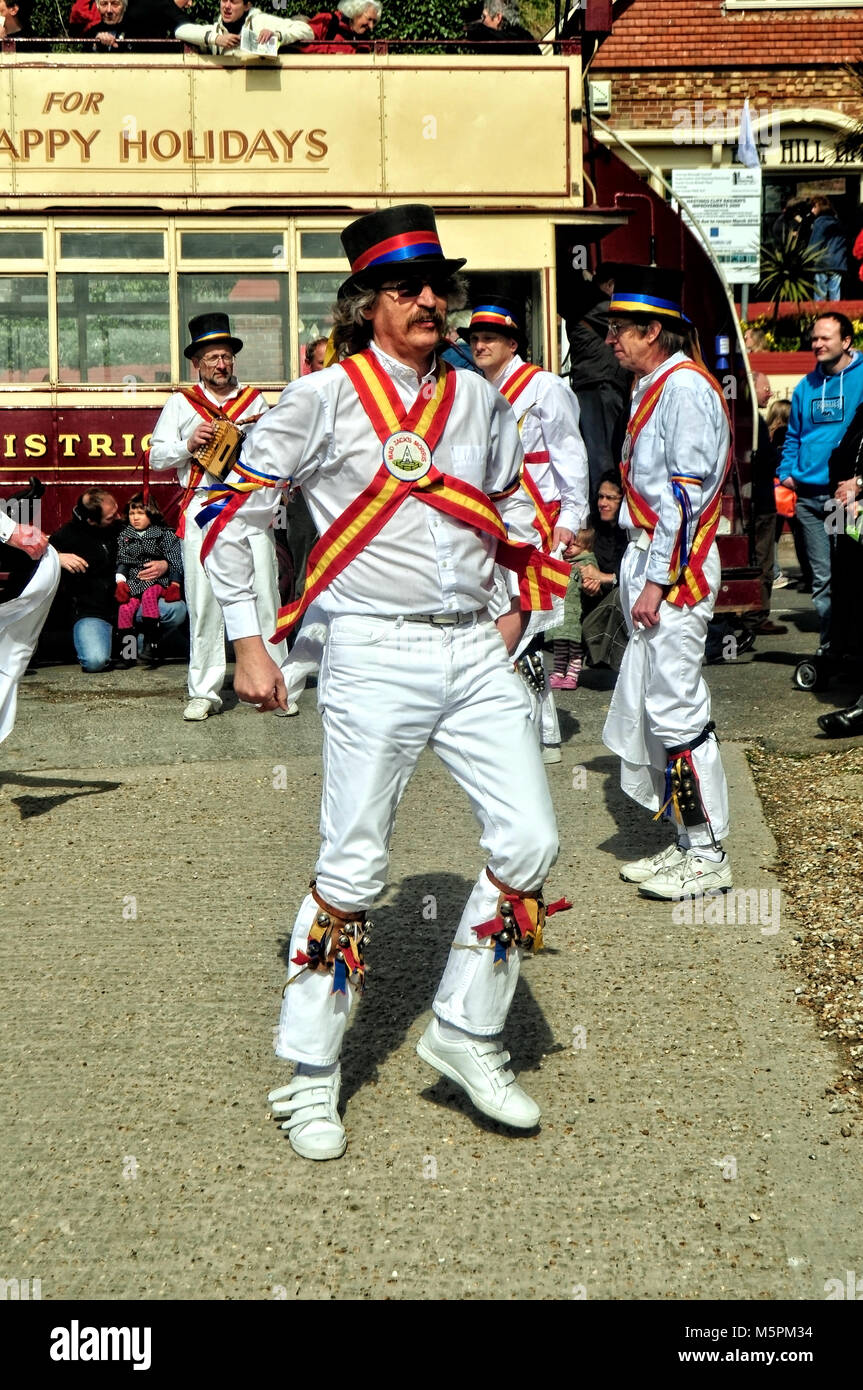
421, 561
178, 421
203, 35
549, 416
686, 434
7, 525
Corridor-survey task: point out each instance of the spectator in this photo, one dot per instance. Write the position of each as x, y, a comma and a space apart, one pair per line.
499, 24
87, 550
565, 640
846, 475
160, 19
146, 538
337, 31
778, 414
821, 410
241, 26
765, 460
452, 348
755, 340
314, 355
603, 626
857, 252
599, 382
15, 20
828, 240
115, 26
84, 19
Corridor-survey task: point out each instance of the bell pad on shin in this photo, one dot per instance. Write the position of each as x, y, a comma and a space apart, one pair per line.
336, 943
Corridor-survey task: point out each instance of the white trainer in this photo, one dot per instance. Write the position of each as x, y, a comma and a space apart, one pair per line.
199, 709
478, 1065
308, 1107
293, 708
551, 753
692, 877
642, 869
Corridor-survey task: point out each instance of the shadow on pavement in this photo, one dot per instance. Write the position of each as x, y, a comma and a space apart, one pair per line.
30, 806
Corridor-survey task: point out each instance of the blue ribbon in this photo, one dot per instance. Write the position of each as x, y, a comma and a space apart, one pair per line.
340, 977
682, 498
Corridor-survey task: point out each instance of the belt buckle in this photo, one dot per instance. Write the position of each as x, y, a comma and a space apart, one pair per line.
443, 619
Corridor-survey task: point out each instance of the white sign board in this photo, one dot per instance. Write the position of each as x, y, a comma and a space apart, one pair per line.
727, 203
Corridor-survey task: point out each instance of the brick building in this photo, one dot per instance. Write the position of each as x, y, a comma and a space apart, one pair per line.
672, 78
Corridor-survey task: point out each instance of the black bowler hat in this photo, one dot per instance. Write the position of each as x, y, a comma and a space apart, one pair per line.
207, 329
648, 291
497, 314
382, 244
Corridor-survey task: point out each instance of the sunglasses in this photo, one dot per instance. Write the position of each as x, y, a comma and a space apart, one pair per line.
412, 287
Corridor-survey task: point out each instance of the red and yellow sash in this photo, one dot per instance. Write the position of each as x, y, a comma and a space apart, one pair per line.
517, 382
208, 411
689, 585
546, 512
539, 577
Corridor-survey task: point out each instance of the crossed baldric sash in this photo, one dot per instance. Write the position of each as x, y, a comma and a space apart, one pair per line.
547, 513
232, 411
689, 585
408, 439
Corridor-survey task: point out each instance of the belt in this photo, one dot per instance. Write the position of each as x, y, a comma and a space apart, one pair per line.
445, 619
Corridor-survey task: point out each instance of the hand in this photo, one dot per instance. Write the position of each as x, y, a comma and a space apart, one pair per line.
511, 627
561, 536
590, 583
265, 35
109, 40
226, 40
171, 593
789, 483
645, 610
73, 564
846, 492
121, 593
29, 539
257, 678
203, 433
154, 569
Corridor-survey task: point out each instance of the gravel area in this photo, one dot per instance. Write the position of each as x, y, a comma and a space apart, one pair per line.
814, 807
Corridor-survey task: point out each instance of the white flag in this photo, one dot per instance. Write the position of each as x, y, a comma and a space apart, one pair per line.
747, 150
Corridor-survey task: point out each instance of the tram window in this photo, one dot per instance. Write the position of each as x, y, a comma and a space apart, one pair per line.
114, 244
316, 295
232, 246
258, 310
21, 246
113, 326
23, 328
321, 246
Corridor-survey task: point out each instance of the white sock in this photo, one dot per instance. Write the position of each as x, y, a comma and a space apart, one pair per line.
306, 1069
451, 1033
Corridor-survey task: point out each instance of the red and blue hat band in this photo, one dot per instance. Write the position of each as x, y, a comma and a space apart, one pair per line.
640, 303
407, 246
494, 316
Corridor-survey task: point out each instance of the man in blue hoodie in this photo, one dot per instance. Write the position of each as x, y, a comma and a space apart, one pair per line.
822, 408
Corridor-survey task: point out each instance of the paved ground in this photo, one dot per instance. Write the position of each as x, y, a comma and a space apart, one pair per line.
688, 1147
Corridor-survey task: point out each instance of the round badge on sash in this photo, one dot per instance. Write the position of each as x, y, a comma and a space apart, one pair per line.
407, 456
627, 448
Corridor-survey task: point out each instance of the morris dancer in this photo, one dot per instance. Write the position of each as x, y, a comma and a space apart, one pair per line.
397, 456
555, 474
183, 429
29, 576
676, 457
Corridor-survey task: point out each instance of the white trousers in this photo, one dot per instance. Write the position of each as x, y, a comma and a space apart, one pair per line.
206, 625
661, 699
21, 621
387, 689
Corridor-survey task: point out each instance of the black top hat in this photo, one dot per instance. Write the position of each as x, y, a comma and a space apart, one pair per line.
650, 292
207, 329
498, 314
384, 243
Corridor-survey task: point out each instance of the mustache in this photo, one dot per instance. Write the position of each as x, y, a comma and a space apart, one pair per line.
429, 316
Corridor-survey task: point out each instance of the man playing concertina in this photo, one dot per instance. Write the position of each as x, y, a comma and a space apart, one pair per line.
411, 473
185, 426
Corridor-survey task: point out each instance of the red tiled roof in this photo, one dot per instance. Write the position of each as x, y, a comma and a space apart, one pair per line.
694, 34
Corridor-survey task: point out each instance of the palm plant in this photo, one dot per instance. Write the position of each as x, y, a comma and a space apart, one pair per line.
788, 272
